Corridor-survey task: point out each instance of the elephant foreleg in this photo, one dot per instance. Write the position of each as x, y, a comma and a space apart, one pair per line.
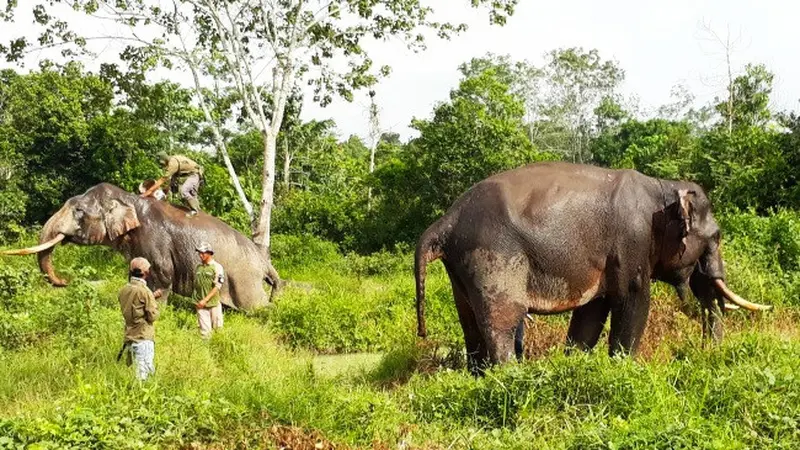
628, 320
712, 321
586, 325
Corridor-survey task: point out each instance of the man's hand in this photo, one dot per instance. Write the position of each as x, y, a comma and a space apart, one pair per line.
158, 293
201, 304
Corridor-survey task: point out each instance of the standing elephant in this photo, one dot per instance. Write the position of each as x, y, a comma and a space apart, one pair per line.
160, 232
553, 237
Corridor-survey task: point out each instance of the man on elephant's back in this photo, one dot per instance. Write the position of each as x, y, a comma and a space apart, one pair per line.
179, 166
208, 279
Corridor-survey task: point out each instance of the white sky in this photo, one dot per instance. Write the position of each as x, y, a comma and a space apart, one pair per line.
658, 44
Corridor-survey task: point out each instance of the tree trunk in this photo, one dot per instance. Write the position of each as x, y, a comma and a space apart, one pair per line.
261, 232
219, 141
730, 92
371, 169
287, 162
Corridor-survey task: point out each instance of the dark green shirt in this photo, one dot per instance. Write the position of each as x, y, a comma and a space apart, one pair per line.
206, 277
140, 310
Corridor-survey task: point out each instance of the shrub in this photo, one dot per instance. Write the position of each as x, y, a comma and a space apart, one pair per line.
292, 251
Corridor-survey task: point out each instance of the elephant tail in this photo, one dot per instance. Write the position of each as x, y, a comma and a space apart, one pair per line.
429, 248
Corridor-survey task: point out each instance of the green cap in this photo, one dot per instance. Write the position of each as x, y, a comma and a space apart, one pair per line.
162, 155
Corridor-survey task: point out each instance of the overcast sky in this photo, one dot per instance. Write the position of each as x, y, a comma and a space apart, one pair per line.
658, 44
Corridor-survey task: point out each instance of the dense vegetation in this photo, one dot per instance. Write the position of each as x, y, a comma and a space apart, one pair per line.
344, 240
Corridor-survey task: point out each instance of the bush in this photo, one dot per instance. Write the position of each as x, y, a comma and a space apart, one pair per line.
762, 255
292, 251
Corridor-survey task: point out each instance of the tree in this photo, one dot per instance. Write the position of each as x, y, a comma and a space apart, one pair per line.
577, 83
656, 147
567, 101
261, 48
60, 134
478, 132
751, 91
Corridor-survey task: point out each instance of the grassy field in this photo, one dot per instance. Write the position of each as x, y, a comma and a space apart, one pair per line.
335, 364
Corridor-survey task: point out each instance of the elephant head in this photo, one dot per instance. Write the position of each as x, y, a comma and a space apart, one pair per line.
691, 258
103, 215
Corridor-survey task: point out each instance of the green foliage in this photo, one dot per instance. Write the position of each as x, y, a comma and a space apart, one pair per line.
746, 168
656, 147
748, 102
296, 252
763, 255
60, 135
61, 386
477, 133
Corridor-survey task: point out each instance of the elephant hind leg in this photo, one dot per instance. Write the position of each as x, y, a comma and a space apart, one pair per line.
477, 354
586, 324
500, 343
501, 319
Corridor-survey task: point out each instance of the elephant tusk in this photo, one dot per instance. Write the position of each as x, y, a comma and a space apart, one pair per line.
35, 249
730, 295
731, 306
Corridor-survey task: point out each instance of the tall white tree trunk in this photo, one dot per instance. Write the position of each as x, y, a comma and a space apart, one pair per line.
219, 141
375, 134
287, 163
261, 232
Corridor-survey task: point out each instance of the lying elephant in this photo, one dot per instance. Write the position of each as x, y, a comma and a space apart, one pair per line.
160, 232
553, 237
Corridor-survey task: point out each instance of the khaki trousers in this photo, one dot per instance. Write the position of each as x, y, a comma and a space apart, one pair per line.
209, 319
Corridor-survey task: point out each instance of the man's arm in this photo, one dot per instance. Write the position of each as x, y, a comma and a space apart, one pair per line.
155, 186
211, 293
172, 169
150, 308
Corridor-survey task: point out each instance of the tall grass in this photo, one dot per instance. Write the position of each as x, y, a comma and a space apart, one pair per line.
61, 387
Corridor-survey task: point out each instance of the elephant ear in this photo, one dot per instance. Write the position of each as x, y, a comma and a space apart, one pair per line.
679, 223
120, 218
686, 210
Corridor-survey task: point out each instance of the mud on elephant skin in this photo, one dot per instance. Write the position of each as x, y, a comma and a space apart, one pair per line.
160, 232
554, 237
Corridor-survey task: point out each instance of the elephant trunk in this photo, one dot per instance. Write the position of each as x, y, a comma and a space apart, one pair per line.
47, 241
49, 234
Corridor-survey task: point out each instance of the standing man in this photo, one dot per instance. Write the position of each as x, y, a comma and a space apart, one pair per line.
175, 168
208, 279
140, 311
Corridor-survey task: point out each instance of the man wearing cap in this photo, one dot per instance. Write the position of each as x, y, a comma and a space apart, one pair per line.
176, 167
140, 310
208, 279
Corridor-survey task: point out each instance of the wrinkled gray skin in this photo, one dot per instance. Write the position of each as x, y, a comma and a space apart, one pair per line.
161, 232
554, 237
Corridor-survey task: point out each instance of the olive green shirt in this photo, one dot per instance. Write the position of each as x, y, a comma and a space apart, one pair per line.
140, 310
207, 277
181, 166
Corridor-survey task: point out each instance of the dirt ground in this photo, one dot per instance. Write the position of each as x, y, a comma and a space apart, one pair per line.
667, 328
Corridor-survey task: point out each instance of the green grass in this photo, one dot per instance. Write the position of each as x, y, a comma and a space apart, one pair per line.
337, 356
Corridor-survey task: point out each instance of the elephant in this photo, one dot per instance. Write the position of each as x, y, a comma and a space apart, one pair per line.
159, 231
552, 237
